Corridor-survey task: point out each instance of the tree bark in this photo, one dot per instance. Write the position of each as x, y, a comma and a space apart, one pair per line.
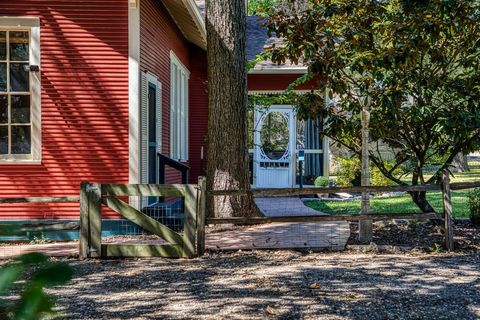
420, 199
460, 163
227, 154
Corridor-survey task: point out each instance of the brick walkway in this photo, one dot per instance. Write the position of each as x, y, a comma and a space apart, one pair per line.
285, 206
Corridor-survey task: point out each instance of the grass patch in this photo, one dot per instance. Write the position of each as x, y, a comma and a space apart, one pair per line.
397, 204
404, 204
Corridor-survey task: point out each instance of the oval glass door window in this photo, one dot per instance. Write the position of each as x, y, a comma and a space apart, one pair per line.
274, 135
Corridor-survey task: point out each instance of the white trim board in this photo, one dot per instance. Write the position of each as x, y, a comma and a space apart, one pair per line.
134, 93
299, 70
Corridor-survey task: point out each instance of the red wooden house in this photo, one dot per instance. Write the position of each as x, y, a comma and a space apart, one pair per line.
91, 90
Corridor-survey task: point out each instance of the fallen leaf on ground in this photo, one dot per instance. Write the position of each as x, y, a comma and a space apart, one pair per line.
271, 310
314, 286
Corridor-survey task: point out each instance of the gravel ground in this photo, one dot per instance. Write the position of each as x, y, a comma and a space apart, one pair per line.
420, 236
277, 285
404, 275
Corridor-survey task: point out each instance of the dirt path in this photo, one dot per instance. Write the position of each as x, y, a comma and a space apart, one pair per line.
277, 284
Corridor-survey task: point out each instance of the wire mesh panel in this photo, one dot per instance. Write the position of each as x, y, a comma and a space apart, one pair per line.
277, 235
169, 212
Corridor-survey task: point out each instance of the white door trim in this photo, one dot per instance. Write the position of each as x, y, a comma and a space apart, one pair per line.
134, 161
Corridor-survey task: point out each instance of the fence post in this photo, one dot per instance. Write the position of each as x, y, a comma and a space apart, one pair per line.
447, 210
94, 195
201, 205
84, 242
189, 223
365, 227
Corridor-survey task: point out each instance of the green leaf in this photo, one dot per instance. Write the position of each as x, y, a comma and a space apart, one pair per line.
55, 274
8, 275
33, 258
33, 304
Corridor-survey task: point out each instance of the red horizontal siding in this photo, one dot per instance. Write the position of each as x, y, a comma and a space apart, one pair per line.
198, 112
158, 36
84, 65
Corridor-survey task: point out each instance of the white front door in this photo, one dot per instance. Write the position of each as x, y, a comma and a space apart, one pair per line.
274, 147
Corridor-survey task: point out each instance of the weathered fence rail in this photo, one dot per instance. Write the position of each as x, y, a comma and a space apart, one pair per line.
40, 199
40, 225
332, 190
355, 217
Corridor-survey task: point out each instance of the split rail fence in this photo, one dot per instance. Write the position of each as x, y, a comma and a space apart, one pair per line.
445, 216
192, 242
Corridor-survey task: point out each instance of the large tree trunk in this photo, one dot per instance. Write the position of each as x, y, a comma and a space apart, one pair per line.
460, 163
227, 154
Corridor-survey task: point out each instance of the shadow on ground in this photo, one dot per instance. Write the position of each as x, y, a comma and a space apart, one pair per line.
276, 284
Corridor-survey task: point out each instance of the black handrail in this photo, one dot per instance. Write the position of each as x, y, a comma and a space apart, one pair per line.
166, 161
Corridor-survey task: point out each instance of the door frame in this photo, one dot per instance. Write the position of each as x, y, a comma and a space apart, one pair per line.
148, 81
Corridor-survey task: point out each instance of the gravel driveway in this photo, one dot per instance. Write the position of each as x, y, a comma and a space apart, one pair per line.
277, 285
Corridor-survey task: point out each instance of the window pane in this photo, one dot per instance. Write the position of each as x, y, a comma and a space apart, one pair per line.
19, 78
21, 142
3, 139
20, 109
3, 77
4, 109
19, 46
3, 45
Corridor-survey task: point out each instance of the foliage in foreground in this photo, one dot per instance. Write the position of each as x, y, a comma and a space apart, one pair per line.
39, 273
414, 64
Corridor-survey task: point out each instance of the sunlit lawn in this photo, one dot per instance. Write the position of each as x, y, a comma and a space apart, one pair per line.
404, 204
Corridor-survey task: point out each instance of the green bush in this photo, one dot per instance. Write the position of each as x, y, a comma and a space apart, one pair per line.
377, 177
349, 172
474, 204
321, 182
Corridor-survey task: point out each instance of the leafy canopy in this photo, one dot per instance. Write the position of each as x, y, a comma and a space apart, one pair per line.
417, 61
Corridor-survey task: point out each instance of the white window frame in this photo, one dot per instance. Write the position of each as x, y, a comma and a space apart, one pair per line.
32, 25
179, 77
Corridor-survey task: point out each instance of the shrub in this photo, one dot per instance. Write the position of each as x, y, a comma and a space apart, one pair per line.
474, 204
377, 177
349, 172
321, 182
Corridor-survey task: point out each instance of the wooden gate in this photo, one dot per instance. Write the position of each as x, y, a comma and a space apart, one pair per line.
93, 195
